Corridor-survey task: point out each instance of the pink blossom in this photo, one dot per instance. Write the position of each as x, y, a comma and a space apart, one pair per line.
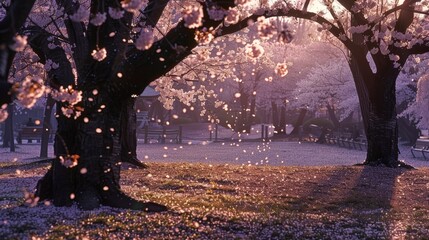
193, 16
254, 50
132, 5
98, 19
80, 15
145, 39
281, 69
20, 42
232, 16
3, 113
116, 13
99, 55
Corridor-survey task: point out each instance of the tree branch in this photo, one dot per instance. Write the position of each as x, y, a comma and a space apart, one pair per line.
15, 18
337, 32
143, 67
61, 76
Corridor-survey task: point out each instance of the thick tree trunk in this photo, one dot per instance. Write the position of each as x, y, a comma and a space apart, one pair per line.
377, 100
382, 141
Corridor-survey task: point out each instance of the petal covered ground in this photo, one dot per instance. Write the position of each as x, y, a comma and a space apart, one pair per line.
234, 202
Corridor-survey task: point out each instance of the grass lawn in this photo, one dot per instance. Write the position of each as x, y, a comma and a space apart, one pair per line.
234, 202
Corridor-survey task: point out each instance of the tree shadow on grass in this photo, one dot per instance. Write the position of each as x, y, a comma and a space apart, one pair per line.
363, 194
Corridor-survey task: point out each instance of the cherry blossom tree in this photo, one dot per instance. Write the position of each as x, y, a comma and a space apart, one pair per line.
392, 32
98, 54
329, 86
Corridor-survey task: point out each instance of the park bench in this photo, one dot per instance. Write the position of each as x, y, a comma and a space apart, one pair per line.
162, 134
31, 133
361, 143
346, 140
422, 146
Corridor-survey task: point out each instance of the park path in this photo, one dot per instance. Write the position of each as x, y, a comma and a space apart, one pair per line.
197, 148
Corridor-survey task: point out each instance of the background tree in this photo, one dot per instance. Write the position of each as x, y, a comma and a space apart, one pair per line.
391, 32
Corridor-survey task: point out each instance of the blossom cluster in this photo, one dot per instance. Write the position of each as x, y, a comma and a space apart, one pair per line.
20, 42
281, 69
69, 161
205, 36
29, 90
266, 29
145, 39
3, 113
98, 19
82, 14
232, 16
99, 54
254, 50
193, 16
116, 13
216, 14
70, 96
133, 5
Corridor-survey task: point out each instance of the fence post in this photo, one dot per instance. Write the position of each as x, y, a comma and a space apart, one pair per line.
266, 132
163, 135
180, 134
262, 131
216, 132
145, 134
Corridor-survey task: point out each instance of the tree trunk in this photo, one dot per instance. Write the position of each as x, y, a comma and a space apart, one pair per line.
275, 115
282, 122
128, 134
382, 141
378, 107
47, 127
299, 122
332, 116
